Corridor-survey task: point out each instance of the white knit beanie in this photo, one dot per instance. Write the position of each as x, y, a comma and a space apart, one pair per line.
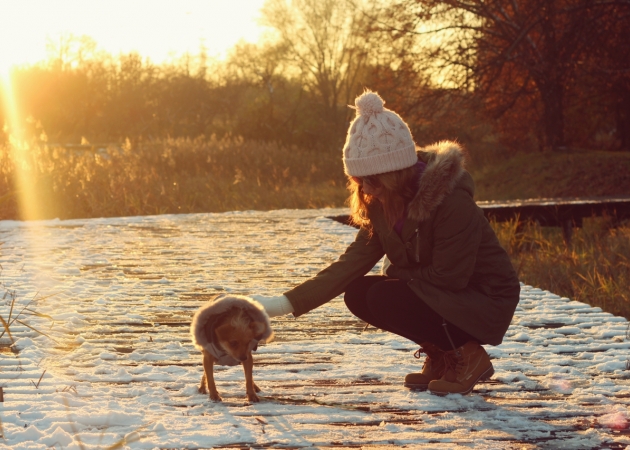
378, 140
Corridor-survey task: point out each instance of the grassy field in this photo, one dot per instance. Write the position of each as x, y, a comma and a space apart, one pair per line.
574, 173
173, 176
594, 269
211, 175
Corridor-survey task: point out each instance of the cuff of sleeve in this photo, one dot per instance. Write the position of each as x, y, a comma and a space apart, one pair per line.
284, 304
296, 308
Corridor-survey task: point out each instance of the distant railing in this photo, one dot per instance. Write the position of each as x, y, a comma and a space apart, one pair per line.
550, 212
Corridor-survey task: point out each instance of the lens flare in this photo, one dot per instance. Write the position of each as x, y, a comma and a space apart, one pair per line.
561, 385
15, 43
24, 179
615, 420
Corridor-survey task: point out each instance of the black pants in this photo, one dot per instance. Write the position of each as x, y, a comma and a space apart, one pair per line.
391, 305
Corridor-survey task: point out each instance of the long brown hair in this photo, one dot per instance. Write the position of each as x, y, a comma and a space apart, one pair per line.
399, 188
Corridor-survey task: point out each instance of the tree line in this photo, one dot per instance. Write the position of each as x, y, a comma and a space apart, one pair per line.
531, 74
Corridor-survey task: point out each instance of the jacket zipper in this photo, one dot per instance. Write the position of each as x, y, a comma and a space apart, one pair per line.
418, 244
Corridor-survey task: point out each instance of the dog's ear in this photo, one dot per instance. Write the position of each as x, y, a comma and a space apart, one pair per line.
258, 328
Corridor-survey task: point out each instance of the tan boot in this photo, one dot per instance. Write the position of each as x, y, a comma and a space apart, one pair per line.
433, 368
466, 366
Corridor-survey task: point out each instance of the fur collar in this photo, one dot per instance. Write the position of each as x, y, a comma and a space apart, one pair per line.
221, 304
445, 167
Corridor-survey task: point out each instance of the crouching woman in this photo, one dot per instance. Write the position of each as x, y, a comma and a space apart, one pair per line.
448, 285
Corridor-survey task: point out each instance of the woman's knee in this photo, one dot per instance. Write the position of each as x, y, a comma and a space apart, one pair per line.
379, 306
353, 294
356, 292
381, 297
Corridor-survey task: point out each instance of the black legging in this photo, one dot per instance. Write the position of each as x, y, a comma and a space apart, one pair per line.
391, 305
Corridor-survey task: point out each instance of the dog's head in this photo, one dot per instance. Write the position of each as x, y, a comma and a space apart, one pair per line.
238, 333
229, 319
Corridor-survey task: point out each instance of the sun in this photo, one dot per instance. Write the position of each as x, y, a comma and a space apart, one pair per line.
155, 29
21, 34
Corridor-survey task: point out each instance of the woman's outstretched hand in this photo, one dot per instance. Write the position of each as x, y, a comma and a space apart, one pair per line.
274, 306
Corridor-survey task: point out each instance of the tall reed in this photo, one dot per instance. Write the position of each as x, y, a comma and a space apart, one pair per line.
173, 176
594, 268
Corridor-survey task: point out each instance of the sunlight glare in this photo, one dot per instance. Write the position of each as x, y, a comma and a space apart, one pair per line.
21, 31
156, 29
29, 203
13, 47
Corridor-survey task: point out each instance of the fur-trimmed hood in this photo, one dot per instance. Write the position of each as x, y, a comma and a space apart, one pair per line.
219, 305
444, 170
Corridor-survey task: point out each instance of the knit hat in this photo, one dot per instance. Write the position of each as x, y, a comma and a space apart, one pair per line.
378, 140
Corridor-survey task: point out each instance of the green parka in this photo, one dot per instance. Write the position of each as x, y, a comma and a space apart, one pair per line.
448, 252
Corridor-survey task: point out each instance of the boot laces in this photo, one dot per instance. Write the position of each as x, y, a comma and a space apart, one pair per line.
434, 358
454, 362
430, 354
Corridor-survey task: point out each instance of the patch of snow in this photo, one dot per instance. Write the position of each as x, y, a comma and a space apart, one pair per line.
119, 367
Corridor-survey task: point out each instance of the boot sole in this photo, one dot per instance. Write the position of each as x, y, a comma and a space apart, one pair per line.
484, 376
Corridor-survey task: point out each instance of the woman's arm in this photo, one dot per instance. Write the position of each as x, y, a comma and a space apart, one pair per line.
358, 259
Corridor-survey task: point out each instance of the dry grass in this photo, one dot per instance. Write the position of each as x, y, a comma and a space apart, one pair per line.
594, 269
174, 176
503, 175
20, 313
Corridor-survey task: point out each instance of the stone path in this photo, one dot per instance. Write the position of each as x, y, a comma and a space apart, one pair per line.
122, 362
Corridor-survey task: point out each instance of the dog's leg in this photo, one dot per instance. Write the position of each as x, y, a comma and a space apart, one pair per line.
208, 374
202, 386
250, 386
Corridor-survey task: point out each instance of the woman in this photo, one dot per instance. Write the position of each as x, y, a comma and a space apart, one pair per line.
448, 285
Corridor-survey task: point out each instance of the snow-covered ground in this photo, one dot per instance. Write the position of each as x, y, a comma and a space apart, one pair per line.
118, 366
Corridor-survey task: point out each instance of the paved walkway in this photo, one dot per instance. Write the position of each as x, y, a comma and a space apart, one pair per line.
122, 368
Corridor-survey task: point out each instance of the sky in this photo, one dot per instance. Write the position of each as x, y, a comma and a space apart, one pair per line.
158, 29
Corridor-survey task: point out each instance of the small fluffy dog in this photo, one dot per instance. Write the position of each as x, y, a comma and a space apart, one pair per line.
226, 330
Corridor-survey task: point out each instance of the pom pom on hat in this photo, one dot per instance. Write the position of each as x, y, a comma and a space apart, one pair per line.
369, 103
378, 140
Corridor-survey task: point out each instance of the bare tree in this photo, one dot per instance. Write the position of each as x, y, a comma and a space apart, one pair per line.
70, 51
327, 43
611, 67
506, 49
262, 65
